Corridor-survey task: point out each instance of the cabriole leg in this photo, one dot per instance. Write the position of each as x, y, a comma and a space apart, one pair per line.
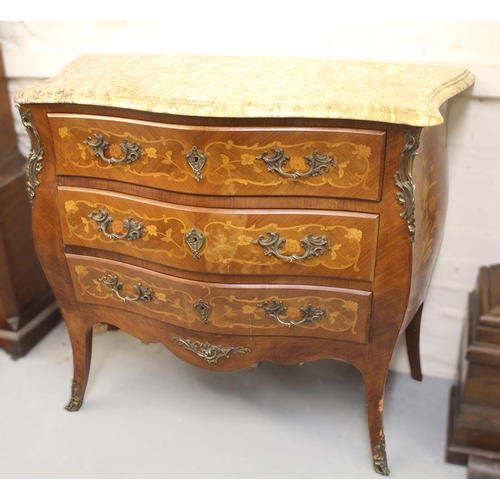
81, 342
374, 387
413, 344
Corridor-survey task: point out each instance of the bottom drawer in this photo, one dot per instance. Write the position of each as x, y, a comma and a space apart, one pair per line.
280, 310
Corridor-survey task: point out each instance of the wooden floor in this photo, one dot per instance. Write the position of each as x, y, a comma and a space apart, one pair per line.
149, 415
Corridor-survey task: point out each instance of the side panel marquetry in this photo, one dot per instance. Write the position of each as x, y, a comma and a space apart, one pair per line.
337, 244
222, 161
234, 310
431, 198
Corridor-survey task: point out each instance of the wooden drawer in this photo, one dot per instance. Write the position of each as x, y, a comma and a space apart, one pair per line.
232, 167
337, 244
298, 311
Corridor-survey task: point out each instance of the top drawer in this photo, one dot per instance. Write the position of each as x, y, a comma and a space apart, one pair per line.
331, 162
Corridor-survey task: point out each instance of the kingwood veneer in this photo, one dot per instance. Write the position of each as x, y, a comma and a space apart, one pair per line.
242, 209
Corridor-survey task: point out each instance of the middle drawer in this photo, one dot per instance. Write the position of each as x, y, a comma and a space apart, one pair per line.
271, 242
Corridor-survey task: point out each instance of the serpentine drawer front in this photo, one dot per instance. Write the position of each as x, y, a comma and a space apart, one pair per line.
234, 216
271, 242
215, 308
222, 161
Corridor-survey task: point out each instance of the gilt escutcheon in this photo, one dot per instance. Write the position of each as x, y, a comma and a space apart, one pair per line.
195, 240
196, 160
203, 310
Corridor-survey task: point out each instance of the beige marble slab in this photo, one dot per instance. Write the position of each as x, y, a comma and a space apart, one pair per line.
213, 86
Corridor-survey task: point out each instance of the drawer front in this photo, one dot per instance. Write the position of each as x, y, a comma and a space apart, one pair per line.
344, 163
337, 244
246, 310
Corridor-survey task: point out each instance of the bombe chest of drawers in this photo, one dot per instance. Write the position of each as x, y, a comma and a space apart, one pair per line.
242, 209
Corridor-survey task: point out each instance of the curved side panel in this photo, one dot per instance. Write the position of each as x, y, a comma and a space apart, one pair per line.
430, 174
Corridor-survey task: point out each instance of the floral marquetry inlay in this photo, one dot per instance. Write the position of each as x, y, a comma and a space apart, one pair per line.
351, 170
230, 166
344, 315
224, 242
164, 157
161, 228
430, 198
234, 243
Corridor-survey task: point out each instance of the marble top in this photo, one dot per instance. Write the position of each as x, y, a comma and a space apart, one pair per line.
238, 87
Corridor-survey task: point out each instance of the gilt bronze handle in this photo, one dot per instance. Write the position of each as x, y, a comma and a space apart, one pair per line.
314, 246
318, 164
131, 150
143, 294
310, 314
133, 228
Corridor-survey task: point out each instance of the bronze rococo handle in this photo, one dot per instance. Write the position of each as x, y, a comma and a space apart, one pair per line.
131, 150
134, 229
143, 294
314, 246
310, 314
318, 164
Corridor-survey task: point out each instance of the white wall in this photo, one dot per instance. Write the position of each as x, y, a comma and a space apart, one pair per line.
34, 50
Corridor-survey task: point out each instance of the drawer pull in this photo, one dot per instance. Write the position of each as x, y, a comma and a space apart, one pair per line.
310, 314
203, 310
195, 239
143, 294
196, 160
131, 150
210, 353
318, 164
133, 228
314, 246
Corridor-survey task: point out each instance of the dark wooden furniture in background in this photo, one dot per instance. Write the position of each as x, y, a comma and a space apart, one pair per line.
474, 422
242, 209
28, 309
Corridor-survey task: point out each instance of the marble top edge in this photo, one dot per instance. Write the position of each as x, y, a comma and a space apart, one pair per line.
256, 87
